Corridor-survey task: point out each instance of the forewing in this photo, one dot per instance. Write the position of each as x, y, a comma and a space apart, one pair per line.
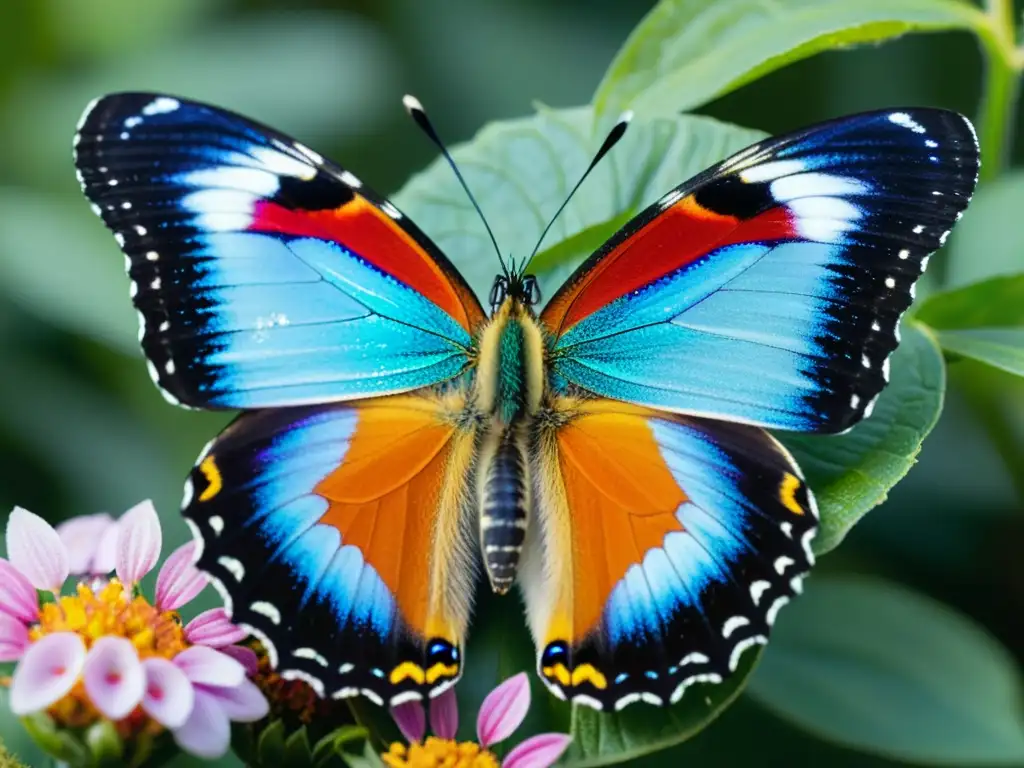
769, 288
263, 274
663, 547
336, 534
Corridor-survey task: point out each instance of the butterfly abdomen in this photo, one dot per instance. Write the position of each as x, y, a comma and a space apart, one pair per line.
504, 503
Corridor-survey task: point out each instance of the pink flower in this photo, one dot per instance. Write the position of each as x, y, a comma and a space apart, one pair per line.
500, 715
192, 680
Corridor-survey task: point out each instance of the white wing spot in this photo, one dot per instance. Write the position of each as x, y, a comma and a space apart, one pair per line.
233, 566
918, 229
782, 563
737, 652
161, 105
904, 254
905, 120
140, 230
268, 610
133, 121
773, 612
671, 199
890, 282
217, 524
311, 654
733, 623
351, 180
865, 361
854, 401
772, 171
757, 590
152, 256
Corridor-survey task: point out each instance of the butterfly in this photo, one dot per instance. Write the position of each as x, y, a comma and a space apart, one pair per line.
607, 452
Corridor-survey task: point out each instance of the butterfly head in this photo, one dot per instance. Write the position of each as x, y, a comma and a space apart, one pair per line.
517, 287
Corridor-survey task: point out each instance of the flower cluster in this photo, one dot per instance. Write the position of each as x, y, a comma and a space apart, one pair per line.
105, 651
501, 713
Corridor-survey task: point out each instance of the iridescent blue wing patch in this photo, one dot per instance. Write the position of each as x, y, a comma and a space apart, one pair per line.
769, 288
263, 274
321, 527
665, 547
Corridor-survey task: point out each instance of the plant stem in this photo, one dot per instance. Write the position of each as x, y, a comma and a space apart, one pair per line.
1001, 89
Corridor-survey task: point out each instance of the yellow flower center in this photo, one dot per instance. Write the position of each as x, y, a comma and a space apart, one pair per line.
111, 611
439, 753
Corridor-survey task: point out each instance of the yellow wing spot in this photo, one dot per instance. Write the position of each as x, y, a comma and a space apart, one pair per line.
558, 672
213, 479
441, 670
588, 673
787, 493
404, 670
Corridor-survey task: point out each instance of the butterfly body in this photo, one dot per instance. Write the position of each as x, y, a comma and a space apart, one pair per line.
606, 453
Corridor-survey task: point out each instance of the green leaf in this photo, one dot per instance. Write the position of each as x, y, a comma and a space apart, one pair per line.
851, 474
297, 750
606, 738
521, 171
687, 52
998, 301
874, 666
270, 748
105, 746
1001, 348
16, 738
989, 240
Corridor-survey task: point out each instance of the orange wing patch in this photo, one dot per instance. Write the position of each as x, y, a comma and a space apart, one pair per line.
614, 501
397, 498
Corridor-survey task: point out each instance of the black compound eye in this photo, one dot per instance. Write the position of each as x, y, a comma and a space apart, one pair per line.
531, 290
498, 290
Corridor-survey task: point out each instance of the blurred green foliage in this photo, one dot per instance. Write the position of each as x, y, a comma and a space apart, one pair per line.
862, 672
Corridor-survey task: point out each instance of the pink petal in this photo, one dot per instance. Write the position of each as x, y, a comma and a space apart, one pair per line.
214, 628
411, 719
113, 676
138, 542
46, 672
539, 751
13, 638
81, 537
169, 694
18, 597
105, 558
207, 732
36, 550
244, 703
444, 714
205, 666
503, 710
179, 580
245, 656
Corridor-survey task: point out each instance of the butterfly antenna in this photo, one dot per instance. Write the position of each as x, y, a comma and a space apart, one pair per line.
616, 133
419, 115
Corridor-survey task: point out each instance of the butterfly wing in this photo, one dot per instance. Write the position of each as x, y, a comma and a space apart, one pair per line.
663, 547
263, 274
335, 533
769, 288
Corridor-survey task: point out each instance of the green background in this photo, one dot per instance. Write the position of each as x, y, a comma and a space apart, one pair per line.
82, 429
